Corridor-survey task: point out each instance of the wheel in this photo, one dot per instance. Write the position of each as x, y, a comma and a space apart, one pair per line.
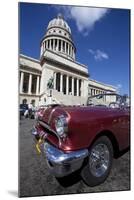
98, 163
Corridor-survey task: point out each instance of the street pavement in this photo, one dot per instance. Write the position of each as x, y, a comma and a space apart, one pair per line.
35, 179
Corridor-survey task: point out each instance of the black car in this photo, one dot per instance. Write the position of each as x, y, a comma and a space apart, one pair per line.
22, 109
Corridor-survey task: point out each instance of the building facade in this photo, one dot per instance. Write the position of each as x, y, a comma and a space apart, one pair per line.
57, 77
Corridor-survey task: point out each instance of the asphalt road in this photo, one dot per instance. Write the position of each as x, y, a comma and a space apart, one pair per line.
35, 179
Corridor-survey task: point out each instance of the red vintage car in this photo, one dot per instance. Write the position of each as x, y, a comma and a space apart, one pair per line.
84, 138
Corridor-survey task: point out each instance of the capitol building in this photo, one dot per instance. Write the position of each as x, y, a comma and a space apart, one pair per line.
57, 77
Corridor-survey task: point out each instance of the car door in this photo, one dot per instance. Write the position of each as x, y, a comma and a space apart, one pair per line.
123, 127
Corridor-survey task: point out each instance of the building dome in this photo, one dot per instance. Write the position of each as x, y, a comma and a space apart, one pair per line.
59, 22
58, 38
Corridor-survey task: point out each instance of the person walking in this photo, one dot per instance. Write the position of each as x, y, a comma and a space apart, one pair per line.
30, 109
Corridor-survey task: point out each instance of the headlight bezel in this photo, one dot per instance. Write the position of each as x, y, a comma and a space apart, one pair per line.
61, 126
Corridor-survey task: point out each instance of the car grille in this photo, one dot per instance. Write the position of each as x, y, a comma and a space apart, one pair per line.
48, 129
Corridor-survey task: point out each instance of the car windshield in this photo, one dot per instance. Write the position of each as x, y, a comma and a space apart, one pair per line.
109, 100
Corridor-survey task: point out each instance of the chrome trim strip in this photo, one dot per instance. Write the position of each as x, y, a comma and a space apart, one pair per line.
50, 117
58, 156
48, 127
62, 164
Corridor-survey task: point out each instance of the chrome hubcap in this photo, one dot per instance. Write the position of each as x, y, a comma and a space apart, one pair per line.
99, 160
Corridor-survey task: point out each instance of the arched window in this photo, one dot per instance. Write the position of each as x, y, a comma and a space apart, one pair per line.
24, 101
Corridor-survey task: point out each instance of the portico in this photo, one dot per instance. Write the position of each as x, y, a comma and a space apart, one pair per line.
65, 83
29, 83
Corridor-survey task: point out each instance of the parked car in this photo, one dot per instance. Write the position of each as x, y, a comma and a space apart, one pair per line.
22, 109
84, 138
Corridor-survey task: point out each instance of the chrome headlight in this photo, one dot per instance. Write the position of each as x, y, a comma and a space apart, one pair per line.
61, 126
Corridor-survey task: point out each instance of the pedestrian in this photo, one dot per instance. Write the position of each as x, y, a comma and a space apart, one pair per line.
30, 109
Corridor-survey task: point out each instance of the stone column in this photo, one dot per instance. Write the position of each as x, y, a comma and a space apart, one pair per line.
47, 44
82, 88
94, 92
54, 80
65, 47
78, 87
67, 84
68, 48
21, 82
74, 53
61, 82
72, 85
30, 84
50, 47
53, 44
71, 52
37, 86
57, 48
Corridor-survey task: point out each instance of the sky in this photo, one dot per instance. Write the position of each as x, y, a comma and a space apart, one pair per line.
101, 37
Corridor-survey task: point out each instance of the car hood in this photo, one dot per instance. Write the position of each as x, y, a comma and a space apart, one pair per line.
72, 112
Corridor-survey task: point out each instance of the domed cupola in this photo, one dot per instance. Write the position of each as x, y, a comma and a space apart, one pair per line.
58, 38
59, 22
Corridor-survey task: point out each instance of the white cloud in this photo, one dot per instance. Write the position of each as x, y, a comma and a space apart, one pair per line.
85, 17
119, 86
98, 54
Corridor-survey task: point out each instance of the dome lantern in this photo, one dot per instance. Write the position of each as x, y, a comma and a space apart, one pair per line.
60, 16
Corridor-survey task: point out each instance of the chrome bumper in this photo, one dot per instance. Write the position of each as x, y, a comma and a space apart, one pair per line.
62, 164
